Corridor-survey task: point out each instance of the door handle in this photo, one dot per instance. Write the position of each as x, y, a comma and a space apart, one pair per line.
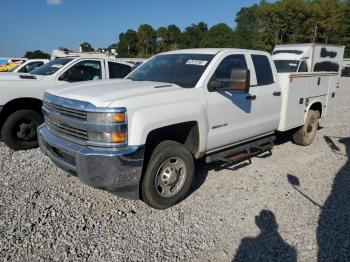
251, 97
277, 93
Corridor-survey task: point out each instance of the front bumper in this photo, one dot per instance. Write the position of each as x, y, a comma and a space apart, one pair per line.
115, 170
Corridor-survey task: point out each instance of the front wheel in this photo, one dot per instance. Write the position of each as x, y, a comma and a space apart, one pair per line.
169, 175
19, 129
306, 134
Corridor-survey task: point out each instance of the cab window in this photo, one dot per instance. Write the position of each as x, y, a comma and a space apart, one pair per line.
83, 71
117, 70
303, 67
263, 70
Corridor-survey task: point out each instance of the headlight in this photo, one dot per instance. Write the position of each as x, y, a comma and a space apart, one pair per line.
118, 135
114, 137
106, 118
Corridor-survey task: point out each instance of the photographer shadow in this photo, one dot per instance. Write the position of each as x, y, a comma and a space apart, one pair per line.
333, 232
268, 245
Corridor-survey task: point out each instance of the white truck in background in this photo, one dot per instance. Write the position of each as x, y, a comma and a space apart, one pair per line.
308, 58
22, 93
345, 72
140, 136
29, 65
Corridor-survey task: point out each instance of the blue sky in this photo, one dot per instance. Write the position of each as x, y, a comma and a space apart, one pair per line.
49, 24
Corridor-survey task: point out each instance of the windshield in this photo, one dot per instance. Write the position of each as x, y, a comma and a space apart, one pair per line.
286, 66
181, 69
51, 67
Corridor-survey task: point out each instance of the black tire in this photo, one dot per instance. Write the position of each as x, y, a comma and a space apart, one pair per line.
161, 160
306, 134
19, 129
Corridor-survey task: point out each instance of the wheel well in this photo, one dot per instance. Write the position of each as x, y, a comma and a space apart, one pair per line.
185, 133
18, 104
317, 107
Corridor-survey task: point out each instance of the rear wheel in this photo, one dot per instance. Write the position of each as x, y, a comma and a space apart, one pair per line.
306, 134
19, 129
169, 175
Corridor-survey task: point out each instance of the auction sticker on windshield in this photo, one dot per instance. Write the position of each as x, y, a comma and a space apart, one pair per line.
196, 62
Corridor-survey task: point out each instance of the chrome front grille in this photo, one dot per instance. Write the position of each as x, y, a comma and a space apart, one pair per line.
66, 130
69, 112
69, 119
53, 116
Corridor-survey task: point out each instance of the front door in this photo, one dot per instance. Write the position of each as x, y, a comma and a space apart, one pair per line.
235, 117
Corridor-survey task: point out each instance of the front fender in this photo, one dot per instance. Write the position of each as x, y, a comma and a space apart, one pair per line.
145, 120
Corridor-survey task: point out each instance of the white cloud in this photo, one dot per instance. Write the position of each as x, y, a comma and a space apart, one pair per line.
54, 2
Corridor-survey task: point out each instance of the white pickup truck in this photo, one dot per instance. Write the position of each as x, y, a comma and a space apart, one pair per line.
21, 93
29, 65
140, 136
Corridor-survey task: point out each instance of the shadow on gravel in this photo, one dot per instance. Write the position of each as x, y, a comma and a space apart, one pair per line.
202, 169
200, 176
268, 245
287, 136
333, 232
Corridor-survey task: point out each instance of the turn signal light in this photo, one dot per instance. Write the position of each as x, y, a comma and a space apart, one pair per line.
119, 118
118, 137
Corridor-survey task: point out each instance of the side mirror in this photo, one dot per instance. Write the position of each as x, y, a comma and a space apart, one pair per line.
239, 81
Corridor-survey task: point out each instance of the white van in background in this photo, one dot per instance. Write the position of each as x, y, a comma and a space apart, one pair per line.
308, 58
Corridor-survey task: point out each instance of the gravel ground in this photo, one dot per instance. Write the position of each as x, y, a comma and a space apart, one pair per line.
293, 205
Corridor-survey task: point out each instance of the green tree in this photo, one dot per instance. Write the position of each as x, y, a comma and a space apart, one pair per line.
162, 39
342, 35
37, 54
64, 49
247, 27
193, 35
327, 15
112, 46
175, 37
127, 45
86, 47
146, 39
220, 35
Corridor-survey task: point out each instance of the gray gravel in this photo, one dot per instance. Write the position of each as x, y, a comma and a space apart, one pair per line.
250, 213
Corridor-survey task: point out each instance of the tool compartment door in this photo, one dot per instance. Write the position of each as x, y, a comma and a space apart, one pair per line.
293, 105
333, 87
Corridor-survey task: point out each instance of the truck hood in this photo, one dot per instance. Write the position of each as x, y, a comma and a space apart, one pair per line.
104, 93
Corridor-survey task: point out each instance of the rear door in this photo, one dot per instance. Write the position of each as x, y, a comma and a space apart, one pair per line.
268, 93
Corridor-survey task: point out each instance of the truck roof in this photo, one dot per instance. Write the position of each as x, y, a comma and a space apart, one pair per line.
210, 51
305, 45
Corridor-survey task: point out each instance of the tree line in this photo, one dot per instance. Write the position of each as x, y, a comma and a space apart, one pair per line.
260, 26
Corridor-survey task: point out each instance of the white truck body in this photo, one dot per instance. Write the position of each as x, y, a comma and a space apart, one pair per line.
30, 65
308, 73
224, 114
318, 57
17, 85
24, 91
346, 63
